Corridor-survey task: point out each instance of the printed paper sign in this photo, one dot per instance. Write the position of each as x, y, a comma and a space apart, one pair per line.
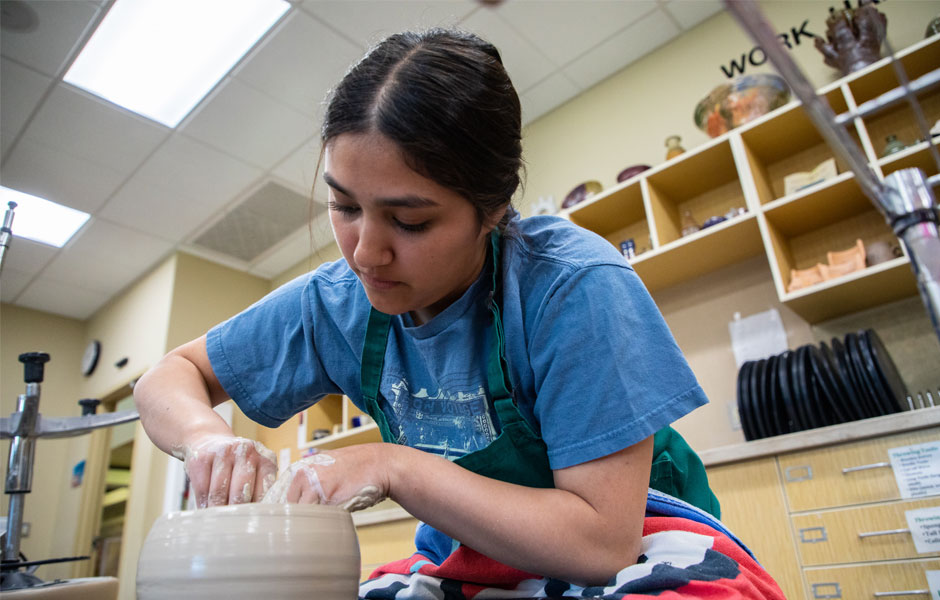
933, 584
924, 524
917, 469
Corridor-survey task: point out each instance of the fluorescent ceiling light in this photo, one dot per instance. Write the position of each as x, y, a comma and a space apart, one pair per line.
159, 58
41, 220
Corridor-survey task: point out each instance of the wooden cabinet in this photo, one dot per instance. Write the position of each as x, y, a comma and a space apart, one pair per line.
829, 522
745, 168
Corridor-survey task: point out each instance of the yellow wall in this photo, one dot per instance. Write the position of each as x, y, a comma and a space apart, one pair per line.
52, 505
327, 253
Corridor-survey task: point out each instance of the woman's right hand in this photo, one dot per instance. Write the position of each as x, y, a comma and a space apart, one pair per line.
227, 469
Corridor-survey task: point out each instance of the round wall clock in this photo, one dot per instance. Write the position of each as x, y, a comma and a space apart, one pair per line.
90, 357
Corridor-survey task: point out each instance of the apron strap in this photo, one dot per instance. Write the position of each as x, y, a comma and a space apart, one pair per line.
373, 361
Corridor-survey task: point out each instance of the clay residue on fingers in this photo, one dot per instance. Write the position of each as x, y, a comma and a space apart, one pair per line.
364, 498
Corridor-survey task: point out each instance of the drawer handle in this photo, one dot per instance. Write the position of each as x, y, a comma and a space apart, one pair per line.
877, 465
885, 532
807, 474
819, 537
904, 593
820, 590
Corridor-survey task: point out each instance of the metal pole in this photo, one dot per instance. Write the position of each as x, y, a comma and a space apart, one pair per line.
6, 232
20, 469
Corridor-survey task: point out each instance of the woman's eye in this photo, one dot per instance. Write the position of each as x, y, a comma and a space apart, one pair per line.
412, 227
344, 209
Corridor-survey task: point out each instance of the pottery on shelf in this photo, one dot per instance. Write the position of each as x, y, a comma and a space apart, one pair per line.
801, 278
581, 193
250, 551
631, 172
740, 100
673, 147
892, 145
689, 226
853, 37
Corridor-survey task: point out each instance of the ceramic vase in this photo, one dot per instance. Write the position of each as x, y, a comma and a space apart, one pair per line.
251, 551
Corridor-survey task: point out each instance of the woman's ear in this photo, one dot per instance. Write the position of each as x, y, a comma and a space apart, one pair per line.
491, 220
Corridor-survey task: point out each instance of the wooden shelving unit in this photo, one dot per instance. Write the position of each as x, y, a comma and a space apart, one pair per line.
746, 167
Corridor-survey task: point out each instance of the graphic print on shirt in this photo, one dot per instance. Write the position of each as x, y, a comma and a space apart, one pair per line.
449, 423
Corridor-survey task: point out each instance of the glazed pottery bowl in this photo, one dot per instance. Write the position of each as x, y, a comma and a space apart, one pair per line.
244, 551
742, 99
581, 193
631, 172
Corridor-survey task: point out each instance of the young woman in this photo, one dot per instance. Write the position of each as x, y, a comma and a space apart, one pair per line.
518, 365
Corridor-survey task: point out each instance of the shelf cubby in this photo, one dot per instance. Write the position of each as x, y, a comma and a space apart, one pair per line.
802, 228
786, 144
899, 120
914, 157
880, 77
700, 253
706, 183
617, 215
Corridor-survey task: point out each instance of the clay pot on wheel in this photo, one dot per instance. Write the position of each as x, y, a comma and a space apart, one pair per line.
251, 551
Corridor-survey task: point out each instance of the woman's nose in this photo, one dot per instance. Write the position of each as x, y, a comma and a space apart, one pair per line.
372, 248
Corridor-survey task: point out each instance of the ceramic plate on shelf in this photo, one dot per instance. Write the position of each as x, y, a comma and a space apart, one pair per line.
862, 377
744, 409
813, 416
757, 400
781, 407
885, 369
826, 391
857, 405
776, 410
850, 400
786, 393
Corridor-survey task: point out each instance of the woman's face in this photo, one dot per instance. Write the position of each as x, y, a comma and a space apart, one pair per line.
416, 246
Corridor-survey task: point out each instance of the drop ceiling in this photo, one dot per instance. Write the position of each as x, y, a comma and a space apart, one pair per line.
242, 163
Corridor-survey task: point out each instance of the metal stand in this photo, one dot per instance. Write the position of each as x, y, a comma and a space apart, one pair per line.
24, 426
905, 197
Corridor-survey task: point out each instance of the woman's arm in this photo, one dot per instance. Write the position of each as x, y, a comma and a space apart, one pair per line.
175, 400
584, 530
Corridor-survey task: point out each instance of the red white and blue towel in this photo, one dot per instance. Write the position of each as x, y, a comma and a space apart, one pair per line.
687, 553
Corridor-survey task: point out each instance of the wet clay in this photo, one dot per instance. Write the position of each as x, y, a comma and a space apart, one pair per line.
251, 551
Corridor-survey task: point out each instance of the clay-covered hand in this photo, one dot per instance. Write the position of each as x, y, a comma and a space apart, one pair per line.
228, 469
347, 477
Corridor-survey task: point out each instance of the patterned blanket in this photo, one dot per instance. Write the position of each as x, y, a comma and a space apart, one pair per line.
686, 554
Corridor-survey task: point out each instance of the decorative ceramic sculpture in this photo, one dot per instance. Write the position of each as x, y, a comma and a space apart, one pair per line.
853, 37
740, 100
251, 551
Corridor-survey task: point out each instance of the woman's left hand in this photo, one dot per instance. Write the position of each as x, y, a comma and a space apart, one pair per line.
354, 478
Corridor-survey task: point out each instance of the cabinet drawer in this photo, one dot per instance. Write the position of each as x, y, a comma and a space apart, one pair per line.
883, 580
831, 477
833, 537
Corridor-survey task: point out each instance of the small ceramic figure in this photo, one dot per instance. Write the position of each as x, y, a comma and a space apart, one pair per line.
672, 146
853, 37
892, 145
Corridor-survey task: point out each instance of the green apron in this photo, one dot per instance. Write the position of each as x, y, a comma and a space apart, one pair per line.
518, 454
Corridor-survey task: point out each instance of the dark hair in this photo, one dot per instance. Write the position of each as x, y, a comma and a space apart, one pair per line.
445, 99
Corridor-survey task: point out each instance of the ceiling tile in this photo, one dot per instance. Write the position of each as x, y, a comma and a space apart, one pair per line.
61, 23
300, 63
295, 247
299, 169
547, 95
373, 20
61, 298
523, 61
95, 130
12, 284
250, 125
623, 48
37, 169
167, 214
20, 91
690, 13
197, 171
26, 256
105, 257
568, 28
6, 141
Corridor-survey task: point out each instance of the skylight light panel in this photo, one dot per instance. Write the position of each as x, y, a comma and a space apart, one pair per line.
159, 58
41, 220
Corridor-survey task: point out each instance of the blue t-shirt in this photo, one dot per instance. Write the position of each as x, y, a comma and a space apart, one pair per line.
593, 365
